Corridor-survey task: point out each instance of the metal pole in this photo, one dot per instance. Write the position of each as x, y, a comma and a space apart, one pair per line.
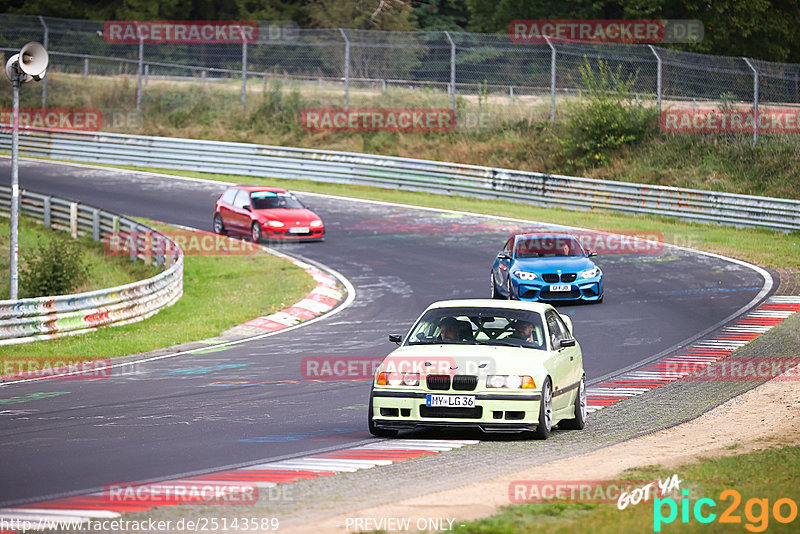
346, 69
755, 100
452, 72
14, 274
85, 68
141, 73
244, 75
658, 78
552, 80
44, 81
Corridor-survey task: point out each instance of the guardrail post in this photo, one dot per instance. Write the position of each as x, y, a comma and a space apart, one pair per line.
755, 100
115, 224
346, 69
46, 209
85, 68
452, 72
73, 219
658, 78
133, 245
45, 44
96, 224
552, 80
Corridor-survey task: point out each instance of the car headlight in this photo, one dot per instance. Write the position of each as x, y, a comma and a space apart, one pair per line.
590, 273
525, 275
510, 381
275, 224
398, 379
316, 224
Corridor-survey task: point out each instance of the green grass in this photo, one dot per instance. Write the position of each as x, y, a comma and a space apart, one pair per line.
219, 293
763, 247
103, 270
767, 474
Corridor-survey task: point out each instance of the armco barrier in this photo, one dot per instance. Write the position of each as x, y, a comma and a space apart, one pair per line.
32, 319
539, 189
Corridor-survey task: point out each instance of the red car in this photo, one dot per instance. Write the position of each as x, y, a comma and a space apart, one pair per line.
265, 213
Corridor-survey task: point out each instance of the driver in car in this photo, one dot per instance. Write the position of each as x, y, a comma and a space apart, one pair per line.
448, 329
523, 330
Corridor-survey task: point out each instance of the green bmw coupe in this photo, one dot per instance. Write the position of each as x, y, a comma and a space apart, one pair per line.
499, 366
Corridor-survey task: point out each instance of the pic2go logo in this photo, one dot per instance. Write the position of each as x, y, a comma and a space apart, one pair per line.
756, 511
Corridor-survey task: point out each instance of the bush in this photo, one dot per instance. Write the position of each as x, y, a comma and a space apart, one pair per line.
609, 118
55, 269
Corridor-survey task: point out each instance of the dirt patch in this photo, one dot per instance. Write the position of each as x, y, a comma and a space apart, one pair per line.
766, 416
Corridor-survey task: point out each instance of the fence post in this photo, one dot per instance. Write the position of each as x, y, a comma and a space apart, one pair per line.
146, 75
755, 100
552, 80
85, 67
658, 79
346, 69
452, 72
511, 94
45, 43
244, 74
141, 72
96, 224
46, 208
73, 219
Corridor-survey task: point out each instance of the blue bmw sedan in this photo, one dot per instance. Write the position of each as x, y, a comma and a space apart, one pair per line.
549, 267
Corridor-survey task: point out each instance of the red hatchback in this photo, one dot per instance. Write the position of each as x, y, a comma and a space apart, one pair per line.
265, 213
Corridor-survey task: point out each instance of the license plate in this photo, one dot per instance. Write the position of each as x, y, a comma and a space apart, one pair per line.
298, 230
561, 288
450, 401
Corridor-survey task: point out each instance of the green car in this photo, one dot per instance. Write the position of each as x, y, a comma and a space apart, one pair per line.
499, 366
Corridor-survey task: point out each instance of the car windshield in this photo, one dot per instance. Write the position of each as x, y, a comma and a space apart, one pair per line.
268, 200
537, 246
479, 326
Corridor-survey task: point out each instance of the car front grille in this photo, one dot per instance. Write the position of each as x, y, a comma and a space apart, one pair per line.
451, 413
569, 277
550, 278
438, 382
465, 382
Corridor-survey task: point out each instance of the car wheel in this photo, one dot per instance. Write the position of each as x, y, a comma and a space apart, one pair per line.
255, 233
545, 412
219, 228
579, 421
600, 300
494, 293
509, 290
375, 431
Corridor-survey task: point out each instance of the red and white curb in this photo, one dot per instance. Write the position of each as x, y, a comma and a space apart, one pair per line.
730, 338
321, 300
80, 509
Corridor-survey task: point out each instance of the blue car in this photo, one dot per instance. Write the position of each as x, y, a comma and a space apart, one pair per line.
549, 267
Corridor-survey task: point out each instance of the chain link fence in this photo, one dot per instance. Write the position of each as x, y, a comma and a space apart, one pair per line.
446, 65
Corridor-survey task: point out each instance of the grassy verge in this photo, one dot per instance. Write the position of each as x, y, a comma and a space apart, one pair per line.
763, 247
491, 130
219, 292
102, 270
770, 474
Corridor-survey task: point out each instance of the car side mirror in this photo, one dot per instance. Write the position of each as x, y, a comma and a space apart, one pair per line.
592, 253
567, 343
503, 256
247, 208
395, 338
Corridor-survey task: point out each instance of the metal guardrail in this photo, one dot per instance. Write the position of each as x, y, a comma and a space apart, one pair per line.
33, 319
547, 190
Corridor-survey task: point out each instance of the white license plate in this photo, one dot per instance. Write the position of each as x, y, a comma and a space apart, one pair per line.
561, 288
298, 230
450, 401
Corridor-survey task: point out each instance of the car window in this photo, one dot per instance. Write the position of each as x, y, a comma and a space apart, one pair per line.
531, 246
507, 247
242, 199
269, 200
229, 195
558, 330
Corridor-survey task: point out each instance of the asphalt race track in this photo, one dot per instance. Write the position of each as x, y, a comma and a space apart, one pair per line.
180, 415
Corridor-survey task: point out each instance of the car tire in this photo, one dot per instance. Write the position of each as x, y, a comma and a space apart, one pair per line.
495, 294
510, 290
255, 233
579, 410
219, 226
545, 424
375, 431
600, 300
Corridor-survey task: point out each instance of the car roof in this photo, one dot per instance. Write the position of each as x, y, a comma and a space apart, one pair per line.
254, 188
492, 303
545, 233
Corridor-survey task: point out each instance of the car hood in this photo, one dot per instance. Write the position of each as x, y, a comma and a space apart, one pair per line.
549, 264
290, 217
465, 360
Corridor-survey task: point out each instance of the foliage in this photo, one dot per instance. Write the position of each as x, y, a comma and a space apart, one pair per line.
57, 268
276, 112
607, 118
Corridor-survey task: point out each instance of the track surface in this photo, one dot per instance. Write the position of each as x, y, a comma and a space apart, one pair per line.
164, 418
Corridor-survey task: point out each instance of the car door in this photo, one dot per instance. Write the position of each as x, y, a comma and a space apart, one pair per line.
562, 361
240, 213
501, 266
225, 207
